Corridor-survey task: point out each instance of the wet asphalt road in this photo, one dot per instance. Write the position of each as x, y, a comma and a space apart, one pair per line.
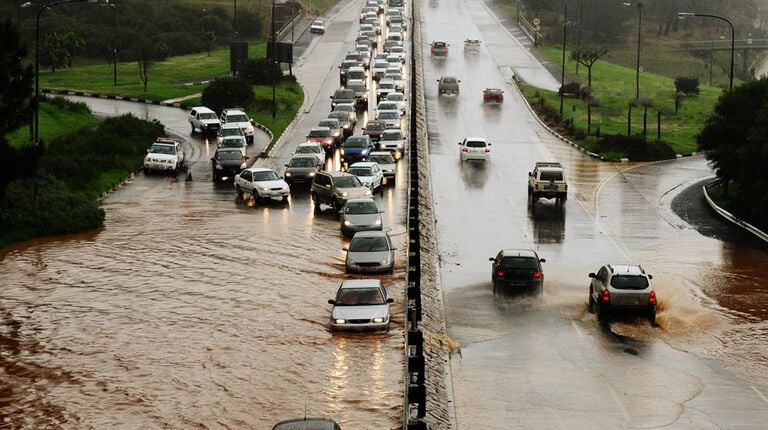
525, 362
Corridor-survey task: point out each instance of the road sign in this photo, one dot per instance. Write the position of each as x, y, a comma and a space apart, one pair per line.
536, 21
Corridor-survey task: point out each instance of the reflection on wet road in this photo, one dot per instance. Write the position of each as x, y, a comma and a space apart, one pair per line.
192, 308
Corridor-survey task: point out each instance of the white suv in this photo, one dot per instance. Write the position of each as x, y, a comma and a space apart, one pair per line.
203, 119
239, 117
622, 288
165, 155
475, 148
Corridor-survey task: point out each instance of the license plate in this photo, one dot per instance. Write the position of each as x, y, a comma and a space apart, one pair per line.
550, 187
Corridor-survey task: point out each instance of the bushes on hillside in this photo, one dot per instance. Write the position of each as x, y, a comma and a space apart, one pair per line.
636, 148
227, 92
687, 86
257, 71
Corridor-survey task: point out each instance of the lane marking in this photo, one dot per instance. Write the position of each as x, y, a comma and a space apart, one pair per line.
759, 393
621, 406
578, 330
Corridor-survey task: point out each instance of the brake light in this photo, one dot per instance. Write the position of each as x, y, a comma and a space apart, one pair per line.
536, 187
464, 149
606, 296
487, 149
565, 187
652, 297
499, 273
537, 274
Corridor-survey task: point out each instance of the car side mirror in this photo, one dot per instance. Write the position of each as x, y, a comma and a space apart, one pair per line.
490, 144
390, 300
542, 260
491, 259
331, 302
213, 158
459, 143
650, 276
345, 249
592, 275
530, 173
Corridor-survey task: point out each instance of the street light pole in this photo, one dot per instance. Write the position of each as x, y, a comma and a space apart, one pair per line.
235, 20
562, 70
36, 102
114, 43
272, 64
23, 6
683, 15
639, 34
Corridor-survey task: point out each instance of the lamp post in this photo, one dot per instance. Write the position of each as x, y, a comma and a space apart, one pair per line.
639, 33
683, 15
562, 70
36, 102
272, 64
23, 6
235, 20
114, 43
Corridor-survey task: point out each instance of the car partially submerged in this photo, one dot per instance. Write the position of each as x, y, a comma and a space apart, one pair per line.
493, 95
361, 304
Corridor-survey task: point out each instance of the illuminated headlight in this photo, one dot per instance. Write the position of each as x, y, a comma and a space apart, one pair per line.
368, 193
365, 151
288, 174
264, 188
341, 151
379, 320
248, 129
385, 262
346, 126
344, 194
378, 222
243, 166
311, 174
340, 321
333, 104
219, 167
347, 223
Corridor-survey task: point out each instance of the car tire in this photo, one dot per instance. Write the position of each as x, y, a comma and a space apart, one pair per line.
146, 171
316, 203
591, 303
495, 287
652, 318
601, 312
284, 199
335, 205
215, 177
239, 191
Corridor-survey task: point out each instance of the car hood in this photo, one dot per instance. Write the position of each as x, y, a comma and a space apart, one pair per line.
279, 183
388, 167
300, 170
354, 192
161, 156
354, 149
368, 256
366, 179
360, 312
362, 219
230, 163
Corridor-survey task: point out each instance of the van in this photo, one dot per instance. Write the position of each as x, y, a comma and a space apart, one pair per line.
356, 72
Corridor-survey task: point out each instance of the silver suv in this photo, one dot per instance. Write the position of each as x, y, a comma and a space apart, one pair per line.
335, 188
617, 288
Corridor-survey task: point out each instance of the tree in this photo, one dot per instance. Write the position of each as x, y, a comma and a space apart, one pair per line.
145, 54
258, 71
208, 39
15, 87
58, 49
226, 92
735, 139
587, 57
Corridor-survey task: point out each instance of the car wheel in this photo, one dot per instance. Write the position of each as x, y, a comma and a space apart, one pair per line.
215, 177
652, 317
591, 303
284, 199
565, 197
239, 191
146, 171
193, 128
335, 205
315, 203
495, 287
601, 312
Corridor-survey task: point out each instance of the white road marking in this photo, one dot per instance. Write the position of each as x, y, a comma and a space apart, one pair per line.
759, 393
618, 402
578, 330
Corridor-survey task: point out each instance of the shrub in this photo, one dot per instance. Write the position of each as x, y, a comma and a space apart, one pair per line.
570, 89
257, 71
687, 86
636, 148
225, 92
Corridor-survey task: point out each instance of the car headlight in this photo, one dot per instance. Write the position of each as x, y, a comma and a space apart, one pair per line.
243, 166
385, 262
347, 223
311, 174
248, 129
365, 151
344, 194
346, 126
399, 146
264, 188
219, 166
379, 320
368, 193
341, 151
378, 222
340, 321
288, 174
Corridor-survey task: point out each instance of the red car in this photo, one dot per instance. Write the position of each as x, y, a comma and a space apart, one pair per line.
321, 135
439, 49
493, 95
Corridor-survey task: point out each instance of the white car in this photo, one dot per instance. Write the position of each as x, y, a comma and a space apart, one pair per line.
233, 142
387, 162
204, 119
311, 148
237, 116
370, 174
397, 79
399, 98
379, 68
164, 155
262, 183
394, 62
390, 117
392, 140
385, 87
475, 148
399, 51
230, 130
387, 105
360, 304
317, 26
471, 44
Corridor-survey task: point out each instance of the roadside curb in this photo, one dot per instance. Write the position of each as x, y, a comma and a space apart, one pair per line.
729, 216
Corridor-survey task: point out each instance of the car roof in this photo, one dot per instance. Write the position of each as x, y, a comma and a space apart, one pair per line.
475, 139
309, 144
361, 283
202, 109
518, 253
362, 164
310, 156
307, 424
320, 129
362, 200
626, 269
260, 169
233, 110
380, 153
235, 150
392, 130
230, 125
372, 233
337, 174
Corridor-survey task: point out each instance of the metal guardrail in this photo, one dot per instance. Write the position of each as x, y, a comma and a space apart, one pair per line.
729, 216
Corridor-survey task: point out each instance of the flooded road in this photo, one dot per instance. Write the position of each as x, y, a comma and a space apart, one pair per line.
544, 362
192, 308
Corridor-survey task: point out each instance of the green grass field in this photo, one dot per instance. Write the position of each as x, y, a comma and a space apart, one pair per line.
614, 88
55, 121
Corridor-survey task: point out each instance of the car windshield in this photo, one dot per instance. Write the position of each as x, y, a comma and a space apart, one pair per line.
360, 171
341, 116
344, 94
319, 133
369, 244
355, 143
395, 97
302, 162
265, 176
439, 45
551, 176
361, 208
308, 149
629, 282
360, 297
519, 263
375, 126
389, 115
476, 144
347, 182
230, 155
210, 115
382, 159
163, 149
237, 118
387, 106
230, 131
231, 143
387, 85
392, 136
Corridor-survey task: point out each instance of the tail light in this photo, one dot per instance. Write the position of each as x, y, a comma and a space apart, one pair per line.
487, 149
536, 187
652, 298
464, 149
606, 296
565, 187
537, 274
499, 273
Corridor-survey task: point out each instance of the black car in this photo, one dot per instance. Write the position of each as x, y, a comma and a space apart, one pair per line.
515, 269
307, 424
227, 162
301, 169
374, 128
343, 95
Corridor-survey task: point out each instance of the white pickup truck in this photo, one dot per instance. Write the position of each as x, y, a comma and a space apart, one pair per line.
547, 180
165, 155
